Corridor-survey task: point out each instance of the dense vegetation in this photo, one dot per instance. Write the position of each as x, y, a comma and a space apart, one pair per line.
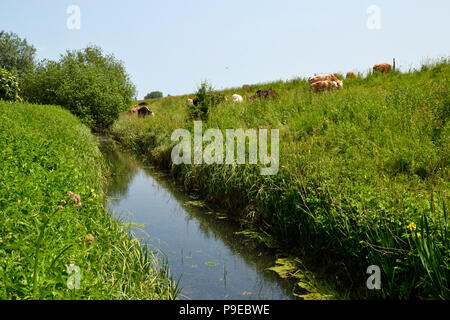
9, 86
52, 215
90, 84
363, 180
16, 55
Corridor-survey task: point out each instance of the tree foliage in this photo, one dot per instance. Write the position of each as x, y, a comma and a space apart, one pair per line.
16, 55
93, 86
154, 95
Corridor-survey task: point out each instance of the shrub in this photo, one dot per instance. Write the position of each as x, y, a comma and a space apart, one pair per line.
93, 86
9, 86
207, 99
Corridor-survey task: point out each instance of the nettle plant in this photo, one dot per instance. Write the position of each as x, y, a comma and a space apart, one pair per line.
9, 86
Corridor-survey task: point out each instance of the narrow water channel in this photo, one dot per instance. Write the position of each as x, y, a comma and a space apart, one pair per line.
202, 247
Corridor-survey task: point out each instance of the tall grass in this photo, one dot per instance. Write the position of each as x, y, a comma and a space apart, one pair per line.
45, 152
357, 167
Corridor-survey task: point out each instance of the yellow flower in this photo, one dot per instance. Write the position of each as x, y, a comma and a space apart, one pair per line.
418, 235
411, 226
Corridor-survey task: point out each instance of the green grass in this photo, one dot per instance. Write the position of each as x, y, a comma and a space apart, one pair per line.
45, 152
357, 166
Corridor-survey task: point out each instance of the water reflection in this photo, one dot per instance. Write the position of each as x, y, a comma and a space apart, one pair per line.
213, 262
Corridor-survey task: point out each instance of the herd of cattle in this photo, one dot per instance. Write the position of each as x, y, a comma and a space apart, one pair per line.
321, 82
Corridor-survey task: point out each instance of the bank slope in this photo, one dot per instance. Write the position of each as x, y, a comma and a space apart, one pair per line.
50, 239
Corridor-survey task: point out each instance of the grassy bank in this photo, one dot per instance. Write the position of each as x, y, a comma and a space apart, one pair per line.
363, 180
45, 156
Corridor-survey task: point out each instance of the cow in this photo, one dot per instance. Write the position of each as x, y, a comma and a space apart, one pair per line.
190, 101
196, 102
323, 77
237, 98
264, 94
382, 67
144, 111
351, 74
323, 85
134, 109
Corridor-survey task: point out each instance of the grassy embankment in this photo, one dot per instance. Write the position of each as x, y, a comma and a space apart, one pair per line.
45, 152
363, 180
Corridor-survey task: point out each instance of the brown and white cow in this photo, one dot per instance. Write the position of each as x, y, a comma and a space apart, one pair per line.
323, 85
134, 109
323, 77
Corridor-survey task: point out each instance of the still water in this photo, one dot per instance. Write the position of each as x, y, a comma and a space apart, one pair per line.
201, 245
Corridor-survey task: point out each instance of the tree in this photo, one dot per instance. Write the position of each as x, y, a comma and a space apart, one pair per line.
154, 95
93, 86
16, 55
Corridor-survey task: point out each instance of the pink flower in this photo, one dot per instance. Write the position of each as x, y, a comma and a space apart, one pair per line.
60, 207
64, 201
70, 193
76, 198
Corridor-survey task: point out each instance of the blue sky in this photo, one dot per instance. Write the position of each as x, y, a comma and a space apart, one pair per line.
171, 46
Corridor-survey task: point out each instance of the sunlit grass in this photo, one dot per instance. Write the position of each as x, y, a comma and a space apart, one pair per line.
45, 153
358, 165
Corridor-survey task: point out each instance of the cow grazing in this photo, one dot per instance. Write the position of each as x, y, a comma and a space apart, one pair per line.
144, 111
134, 109
324, 85
382, 67
351, 74
264, 94
322, 77
237, 98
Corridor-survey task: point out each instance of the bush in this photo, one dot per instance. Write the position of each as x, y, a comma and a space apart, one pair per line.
154, 95
93, 86
207, 99
9, 86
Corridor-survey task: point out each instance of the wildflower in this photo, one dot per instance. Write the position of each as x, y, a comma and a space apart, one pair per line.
418, 235
63, 201
89, 239
70, 193
78, 204
76, 198
411, 226
60, 207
